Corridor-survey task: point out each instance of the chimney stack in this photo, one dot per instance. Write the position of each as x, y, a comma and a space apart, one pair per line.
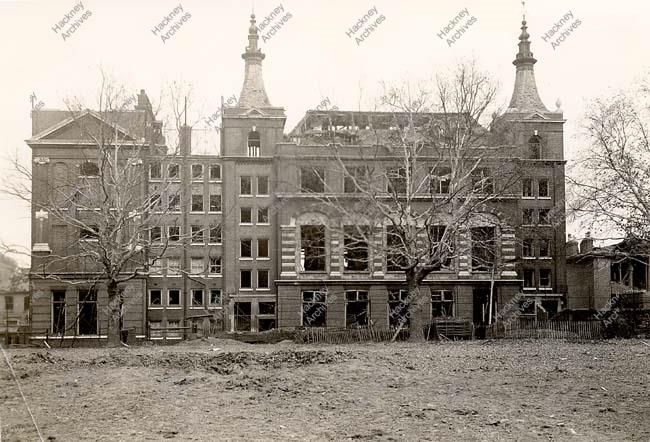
185, 140
572, 246
587, 244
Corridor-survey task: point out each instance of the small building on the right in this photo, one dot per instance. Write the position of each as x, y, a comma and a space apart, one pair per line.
600, 278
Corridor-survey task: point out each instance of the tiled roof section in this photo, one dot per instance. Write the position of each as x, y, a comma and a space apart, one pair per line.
525, 97
253, 94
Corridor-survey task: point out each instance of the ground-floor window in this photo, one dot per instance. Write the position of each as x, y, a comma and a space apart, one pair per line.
242, 316
87, 312
314, 308
174, 297
58, 312
442, 303
155, 298
197, 297
398, 308
215, 297
266, 316
357, 308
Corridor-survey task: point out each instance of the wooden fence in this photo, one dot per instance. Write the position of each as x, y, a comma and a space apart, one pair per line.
346, 336
531, 329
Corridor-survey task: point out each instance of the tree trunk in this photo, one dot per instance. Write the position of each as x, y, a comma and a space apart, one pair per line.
114, 313
416, 328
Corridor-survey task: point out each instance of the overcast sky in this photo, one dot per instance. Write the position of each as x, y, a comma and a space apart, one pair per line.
309, 58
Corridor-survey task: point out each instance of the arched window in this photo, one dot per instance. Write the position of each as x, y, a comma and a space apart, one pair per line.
535, 145
253, 143
88, 168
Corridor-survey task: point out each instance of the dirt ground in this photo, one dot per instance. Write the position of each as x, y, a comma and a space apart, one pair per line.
225, 390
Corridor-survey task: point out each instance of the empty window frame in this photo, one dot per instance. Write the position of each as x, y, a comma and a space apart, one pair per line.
174, 171
58, 312
215, 203
197, 298
246, 185
356, 179
197, 172
398, 308
245, 279
262, 248
245, 215
174, 297
397, 181
439, 180
312, 179
87, 313
312, 248
527, 188
155, 298
357, 308
484, 250
263, 279
174, 233
355, 251
245, 248
197, 202
442, 303
262, 215
215, 234
198, 236
543, 188
215, 265
314, 308
215, 297
215, 172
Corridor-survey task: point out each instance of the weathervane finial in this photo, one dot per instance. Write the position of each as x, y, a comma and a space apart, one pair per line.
523, 7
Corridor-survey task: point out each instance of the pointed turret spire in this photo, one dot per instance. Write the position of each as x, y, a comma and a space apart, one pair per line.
253, 93
525, 96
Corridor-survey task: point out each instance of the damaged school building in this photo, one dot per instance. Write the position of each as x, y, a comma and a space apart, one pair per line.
253, 251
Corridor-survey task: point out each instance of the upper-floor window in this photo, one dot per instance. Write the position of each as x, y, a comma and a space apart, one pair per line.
215, 172
482, 181
174, 233
197, 171
535, 146
483, 248
312, 179
440, 179
253, 143
312, 248
88, 168
215, 203
527, 185
396, 180
245, 185
527, 250
355, 256
262, 215
542, 188
155, 171
197, 203
174, 171
355, 179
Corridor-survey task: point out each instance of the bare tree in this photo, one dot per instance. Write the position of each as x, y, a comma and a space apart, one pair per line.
108, 203
426, 176
610, 185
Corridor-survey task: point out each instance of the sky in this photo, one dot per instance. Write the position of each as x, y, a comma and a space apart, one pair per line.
310, 57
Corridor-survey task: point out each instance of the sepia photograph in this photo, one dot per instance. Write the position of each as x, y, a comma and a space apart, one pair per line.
283, 220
